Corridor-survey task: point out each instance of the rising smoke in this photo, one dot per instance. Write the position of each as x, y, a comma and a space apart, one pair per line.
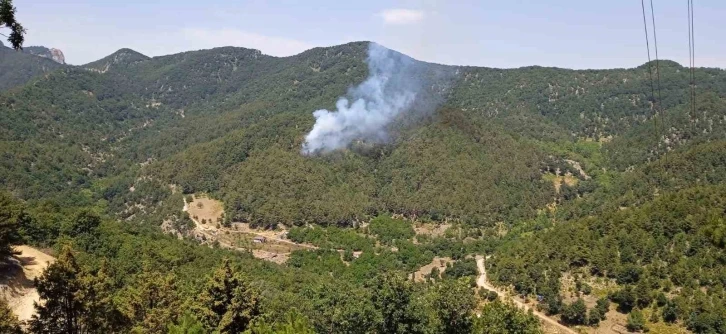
395, 82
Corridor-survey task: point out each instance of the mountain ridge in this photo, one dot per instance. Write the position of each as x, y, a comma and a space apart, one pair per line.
568, 178
666, 62
533, 102
120, 58
51, 53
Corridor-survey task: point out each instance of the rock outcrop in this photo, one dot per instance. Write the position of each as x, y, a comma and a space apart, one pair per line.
52, 53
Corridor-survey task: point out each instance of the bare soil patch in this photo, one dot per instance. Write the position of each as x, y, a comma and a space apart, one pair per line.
433, 230
558, 180
437, 262
270, 245
205, 210
16, 280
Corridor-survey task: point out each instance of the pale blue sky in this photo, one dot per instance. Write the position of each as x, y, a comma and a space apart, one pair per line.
509, 33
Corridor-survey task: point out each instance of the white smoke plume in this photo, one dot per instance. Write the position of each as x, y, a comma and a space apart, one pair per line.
391, 88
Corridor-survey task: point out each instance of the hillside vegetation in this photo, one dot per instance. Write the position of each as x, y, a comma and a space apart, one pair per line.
129, 135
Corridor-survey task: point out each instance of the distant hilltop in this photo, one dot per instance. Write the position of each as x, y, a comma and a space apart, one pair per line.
52, 53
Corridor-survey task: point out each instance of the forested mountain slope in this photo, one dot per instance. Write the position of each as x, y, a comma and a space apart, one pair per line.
557, 173
18, 67
199, 116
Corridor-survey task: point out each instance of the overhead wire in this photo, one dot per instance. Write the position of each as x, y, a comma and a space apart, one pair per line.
657, 104
650, 72
692, 63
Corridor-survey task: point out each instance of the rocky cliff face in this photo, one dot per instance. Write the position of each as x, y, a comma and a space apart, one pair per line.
57, 56
52, 53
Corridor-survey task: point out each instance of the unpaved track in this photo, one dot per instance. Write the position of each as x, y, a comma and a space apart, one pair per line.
484, 283
17, 286
275, 239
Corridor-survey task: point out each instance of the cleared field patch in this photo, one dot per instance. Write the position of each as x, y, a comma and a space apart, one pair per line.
438, 263
430, 229
205, 210
254, 242
207, 215
558, 180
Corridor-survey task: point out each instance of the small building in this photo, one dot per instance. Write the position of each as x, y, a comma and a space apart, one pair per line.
259, 239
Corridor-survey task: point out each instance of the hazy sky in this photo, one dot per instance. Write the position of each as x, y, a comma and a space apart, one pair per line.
509, 33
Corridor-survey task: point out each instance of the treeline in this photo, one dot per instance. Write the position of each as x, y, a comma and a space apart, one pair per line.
663, 248
478, 159
124, 278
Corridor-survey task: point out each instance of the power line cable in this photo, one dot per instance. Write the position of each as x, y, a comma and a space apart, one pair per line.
658, 106
692, 61
650, 71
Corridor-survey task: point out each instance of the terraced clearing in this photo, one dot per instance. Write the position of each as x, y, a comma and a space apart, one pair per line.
271, 245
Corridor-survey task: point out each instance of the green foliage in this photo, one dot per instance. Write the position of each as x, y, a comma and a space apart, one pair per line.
101, 313
387, 230
9, 322
575, 313
227, 304
636, 321
292, 323
594, 316
479, 159
501, 318
453, 301
18, 68
393, 296
603, 306
462, 268
58, 288
331, 238
626, 298
12, 217
670, 312
342, 308
114, 135
152, 302
7, 20
188, 324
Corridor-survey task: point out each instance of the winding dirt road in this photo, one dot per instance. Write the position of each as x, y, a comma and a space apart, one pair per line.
484, 283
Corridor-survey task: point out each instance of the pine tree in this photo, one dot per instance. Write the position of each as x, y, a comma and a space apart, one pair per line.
670, 312
60, 310
453, 303
228, 304
11, 214
594, 316
100, 312
188, 325
7, 20
151, 302
9, 322
636, 320
501, 318
575, 313
292, 323
392, 296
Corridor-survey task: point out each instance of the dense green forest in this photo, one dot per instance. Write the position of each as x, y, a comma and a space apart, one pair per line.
17, 68
115, 277
128, 136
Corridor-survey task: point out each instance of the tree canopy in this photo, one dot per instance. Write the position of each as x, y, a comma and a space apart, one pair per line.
7, 20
